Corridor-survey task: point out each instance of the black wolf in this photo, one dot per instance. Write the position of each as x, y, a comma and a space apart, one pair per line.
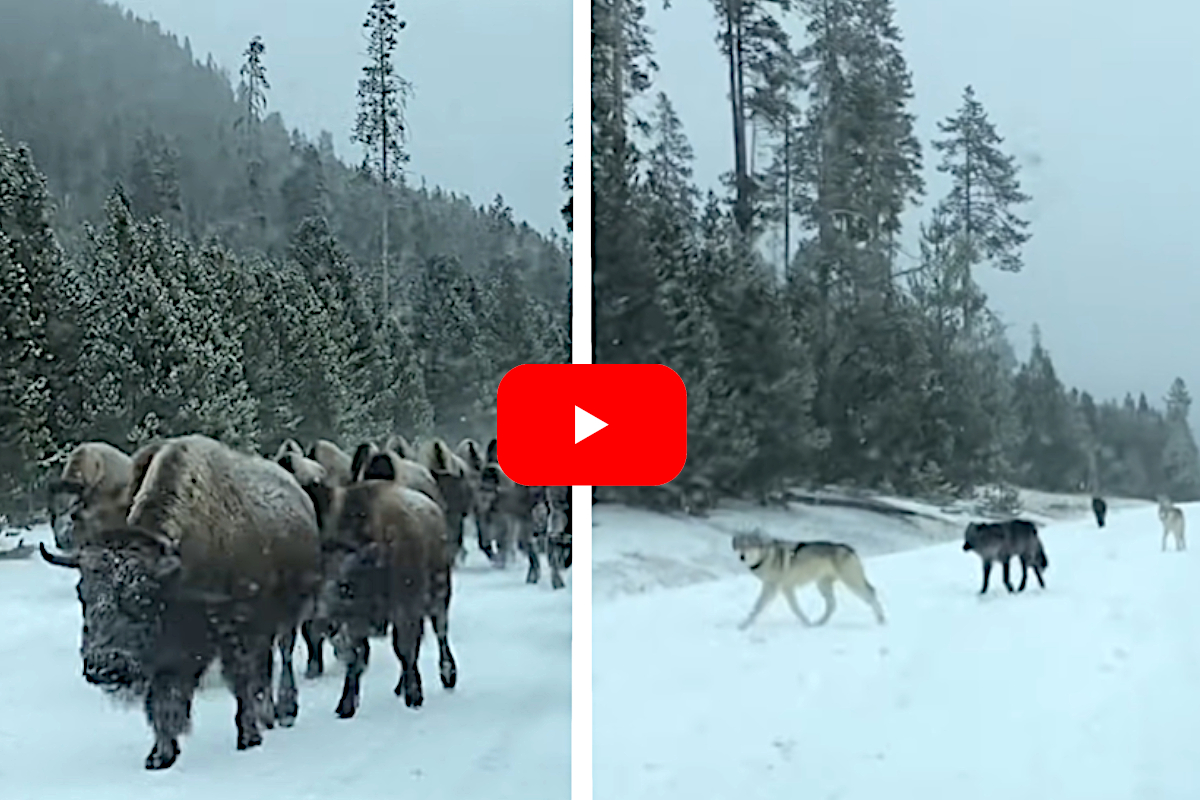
999, 542
1100, 509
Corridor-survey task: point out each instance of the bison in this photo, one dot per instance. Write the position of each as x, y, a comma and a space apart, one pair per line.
371, 463
391, 567
552, 528
289, 446
334, 460
504, 506
455, 482
368, 463
96, 480
218, 558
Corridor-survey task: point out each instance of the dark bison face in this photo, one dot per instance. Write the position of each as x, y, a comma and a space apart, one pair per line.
64, 502
355, 589
123, 590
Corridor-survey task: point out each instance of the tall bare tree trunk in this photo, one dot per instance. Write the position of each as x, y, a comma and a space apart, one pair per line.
787, 192
386, 204
733, 33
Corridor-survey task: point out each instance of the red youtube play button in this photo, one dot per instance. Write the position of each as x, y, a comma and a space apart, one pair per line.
591, 424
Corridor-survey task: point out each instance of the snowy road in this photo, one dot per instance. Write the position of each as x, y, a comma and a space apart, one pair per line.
1089, 689
503, 734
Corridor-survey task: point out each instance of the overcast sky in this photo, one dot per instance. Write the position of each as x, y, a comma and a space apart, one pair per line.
492, 83
1097, 101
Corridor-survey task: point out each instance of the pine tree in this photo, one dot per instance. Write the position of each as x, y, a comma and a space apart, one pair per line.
860, 169
985, 190
380, 125
253, 95
627, 323
154, 179
1180, 456
756, 48
568, 183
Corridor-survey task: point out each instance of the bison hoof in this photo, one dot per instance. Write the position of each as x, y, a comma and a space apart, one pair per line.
286, 712
161, 756
248, 739
346, 708
411, 690
557, 582
314, 670
449, 674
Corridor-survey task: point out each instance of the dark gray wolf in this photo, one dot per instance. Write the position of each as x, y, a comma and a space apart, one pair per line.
784, 566
999, 542
1100, 509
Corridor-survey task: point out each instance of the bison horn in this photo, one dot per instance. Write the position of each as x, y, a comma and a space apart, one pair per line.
57, 560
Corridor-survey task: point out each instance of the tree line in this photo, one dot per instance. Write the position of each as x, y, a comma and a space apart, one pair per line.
173, 261
814, 348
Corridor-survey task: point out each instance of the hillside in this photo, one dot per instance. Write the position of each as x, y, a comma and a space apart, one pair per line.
101, 96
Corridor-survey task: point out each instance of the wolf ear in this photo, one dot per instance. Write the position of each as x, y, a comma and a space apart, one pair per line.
491, 451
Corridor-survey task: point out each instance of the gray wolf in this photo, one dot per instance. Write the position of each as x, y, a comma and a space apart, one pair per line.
999, 541
1173, 522
784, 566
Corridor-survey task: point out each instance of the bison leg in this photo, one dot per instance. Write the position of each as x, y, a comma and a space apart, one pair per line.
264, 694
459, 531
407, 629
439, 614
287, 707
535, 564
169, 711
314, 641
242, 661
527, 543
555, 558
353, 649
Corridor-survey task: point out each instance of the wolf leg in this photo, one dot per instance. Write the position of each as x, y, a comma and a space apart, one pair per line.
1037, 571
1024, 574
789, 594
1166, 531
987, 574
866, 592
768, 594
825, 586
1007, 575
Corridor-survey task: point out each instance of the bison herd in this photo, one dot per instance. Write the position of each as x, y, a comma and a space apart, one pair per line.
189, 551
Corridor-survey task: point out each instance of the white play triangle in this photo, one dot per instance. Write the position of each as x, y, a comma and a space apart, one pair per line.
586, 424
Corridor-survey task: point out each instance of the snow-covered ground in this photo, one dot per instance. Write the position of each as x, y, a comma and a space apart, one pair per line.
503, 733
1086, 690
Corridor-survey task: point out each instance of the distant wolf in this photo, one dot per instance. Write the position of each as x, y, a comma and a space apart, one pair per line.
787, 566
999, 542
1172, 520
1100, 509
